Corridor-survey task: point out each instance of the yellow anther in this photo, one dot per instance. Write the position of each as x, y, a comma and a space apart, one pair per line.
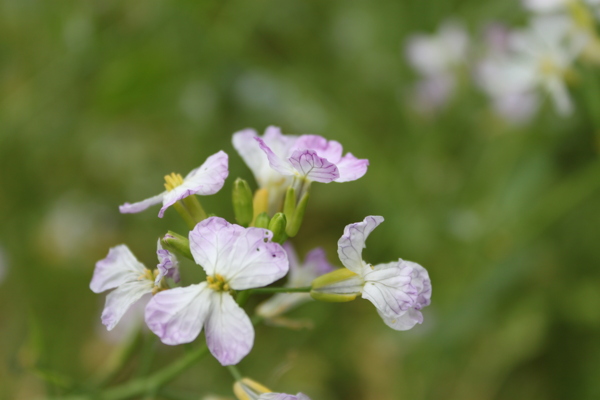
217, 283
549, 67
147, 275
172, 181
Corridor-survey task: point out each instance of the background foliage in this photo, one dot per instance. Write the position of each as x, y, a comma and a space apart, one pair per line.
100, 99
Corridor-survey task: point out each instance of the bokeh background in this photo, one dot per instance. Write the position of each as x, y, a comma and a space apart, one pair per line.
100, 99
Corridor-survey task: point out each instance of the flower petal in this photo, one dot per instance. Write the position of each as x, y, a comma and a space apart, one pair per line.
119, 266
255, 260
168, 265
240, 255
129, 208
275, 161
229, 332
312, 167
176, 315
244, 143
205, 180
388, 287
277, 396
281, 303
329, 149
119, 300
402, 322
352, 242
211, 242
351, 168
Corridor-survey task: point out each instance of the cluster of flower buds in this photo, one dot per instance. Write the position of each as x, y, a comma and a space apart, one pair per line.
513, 68
242, 259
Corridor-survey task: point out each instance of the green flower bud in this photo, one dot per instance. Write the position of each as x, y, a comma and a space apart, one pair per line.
175, 242
277, 226
337, 286
294, 224
242, 202
262, 221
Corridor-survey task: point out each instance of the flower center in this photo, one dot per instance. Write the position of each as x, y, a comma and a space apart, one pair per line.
172, 181
148, 275
217, 283
549, 67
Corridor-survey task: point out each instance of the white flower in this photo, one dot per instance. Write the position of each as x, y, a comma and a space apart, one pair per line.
120, 270
398, 289
234, 258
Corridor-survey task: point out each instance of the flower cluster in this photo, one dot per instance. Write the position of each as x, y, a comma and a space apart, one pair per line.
513, 68
243, 259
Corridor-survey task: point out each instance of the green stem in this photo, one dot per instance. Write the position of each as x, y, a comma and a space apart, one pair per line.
118, 359
280, 290
237, 376
182, 211
193, 206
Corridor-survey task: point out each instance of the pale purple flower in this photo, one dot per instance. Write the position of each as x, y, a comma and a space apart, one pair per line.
168, 265
314, 158
398, 289
436, 58
120, 270
234, 258
266, 177
205, 180
301, 275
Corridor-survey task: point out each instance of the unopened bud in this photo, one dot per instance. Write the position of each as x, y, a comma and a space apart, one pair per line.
247, 389
175, 242
242, 202
277, 226
337, 286
294, 224
260, 202
262, 220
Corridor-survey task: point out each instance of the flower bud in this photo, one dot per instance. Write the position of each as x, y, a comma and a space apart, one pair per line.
337, 286
175, 242
294, 224
277, 226
242, 202
262, 221
247, 389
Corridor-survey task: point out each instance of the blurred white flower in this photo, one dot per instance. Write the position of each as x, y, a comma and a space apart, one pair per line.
436, 58
539, 57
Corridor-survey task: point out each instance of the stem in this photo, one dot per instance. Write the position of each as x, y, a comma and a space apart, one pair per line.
194, 208
280, 290
242, 297
237, 376
182, 211
118, 359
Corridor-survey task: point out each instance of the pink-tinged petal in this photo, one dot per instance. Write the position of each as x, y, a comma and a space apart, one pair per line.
246, 258
277, 163
281, 303
211, 242
176, 315
352, 243
205, 180
330, 150
292, 256
168, 265
129, 208
421, 282
312, 167
255, 260
119, 266
119, 300
403, 322
388, 287
229, 332
316, 262
351, 168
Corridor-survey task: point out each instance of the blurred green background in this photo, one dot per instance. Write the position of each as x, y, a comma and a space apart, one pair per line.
100, 99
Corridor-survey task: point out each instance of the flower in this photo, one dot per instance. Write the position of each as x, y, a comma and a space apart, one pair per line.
248, 389
550, 6
315, 264
436, 58
539, 57
398, 289
234, 258
314, 158
266, 177
132, 280
205, 180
